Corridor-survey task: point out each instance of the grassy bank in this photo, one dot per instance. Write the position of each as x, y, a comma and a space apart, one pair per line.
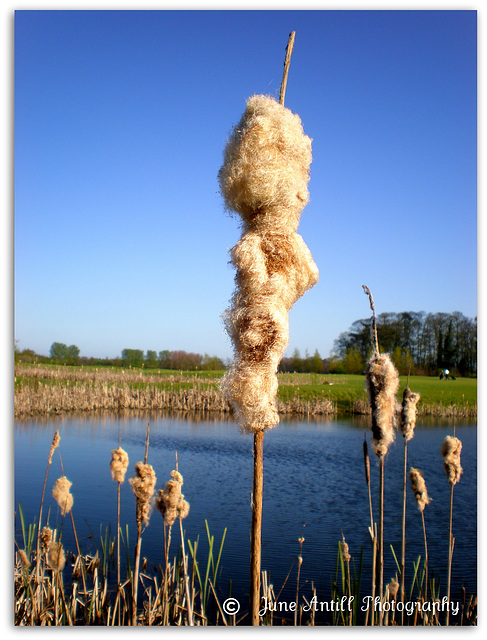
45, 389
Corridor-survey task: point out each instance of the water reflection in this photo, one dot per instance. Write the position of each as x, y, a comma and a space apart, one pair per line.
313, 486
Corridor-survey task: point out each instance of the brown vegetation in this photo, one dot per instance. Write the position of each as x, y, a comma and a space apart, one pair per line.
53, 390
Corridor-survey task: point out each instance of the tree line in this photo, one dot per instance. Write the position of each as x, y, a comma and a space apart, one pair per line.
60, 353
422, 343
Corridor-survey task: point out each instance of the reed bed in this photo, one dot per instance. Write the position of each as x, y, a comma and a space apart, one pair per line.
436, 410
43, 390
47, 389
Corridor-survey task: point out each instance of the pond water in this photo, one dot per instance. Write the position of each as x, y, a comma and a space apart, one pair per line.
314, 487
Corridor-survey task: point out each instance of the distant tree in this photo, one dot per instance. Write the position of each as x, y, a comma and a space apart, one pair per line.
58, 351
61, 353
164, 359
72, 354
132, 357
427, 341
403, 361
353, 362
316, 363
151, 359
296, 361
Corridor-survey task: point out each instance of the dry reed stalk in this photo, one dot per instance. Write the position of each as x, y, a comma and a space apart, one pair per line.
300, 562
346, 558
408, 423
450, 451
54, 444
143, 484
382, 381
372, 528
418, 487
391, 595
264, 179
172, 505
118, 468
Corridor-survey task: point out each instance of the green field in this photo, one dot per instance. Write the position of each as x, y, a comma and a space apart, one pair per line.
346, 389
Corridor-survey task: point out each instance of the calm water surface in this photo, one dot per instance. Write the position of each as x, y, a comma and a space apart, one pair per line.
313, 486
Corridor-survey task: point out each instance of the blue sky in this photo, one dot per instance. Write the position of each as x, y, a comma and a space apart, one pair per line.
121, 118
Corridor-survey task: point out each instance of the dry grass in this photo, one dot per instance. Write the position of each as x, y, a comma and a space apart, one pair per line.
41, 390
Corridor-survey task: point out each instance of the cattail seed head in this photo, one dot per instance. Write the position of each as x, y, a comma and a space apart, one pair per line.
418, 486
451, 450
46, 538
382, 381
24, 559
119, 464
264, 178
55, 443
56, 557
143, 484
392, 588
409, 413
345, 551
170, 501
60, 492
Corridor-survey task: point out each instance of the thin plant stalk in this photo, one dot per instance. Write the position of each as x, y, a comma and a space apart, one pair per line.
381, 532
373, 533
287, 62
403, 548
54, 444
256, 532
425, 560
450, 553
186, 577
300, 562
137, 549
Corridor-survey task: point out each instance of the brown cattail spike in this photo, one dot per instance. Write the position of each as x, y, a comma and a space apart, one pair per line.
264, 178
382, 382
392, 589
55, 443
46, 538
143, 484
56, 558
409, 413
119, 464
418, 486
451, 450
170, 501
61, 494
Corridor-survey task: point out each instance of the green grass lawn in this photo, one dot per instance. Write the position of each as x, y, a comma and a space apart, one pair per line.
345, 389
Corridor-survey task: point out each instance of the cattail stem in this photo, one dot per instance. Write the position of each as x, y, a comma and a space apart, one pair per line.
186, 578
139, 543
136, 575
450, 552
425, 561
256, 533
403, 549
54, 444
118, 550
287, 62
381, 532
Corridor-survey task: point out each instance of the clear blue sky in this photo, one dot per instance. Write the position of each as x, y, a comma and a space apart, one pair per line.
121, 118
